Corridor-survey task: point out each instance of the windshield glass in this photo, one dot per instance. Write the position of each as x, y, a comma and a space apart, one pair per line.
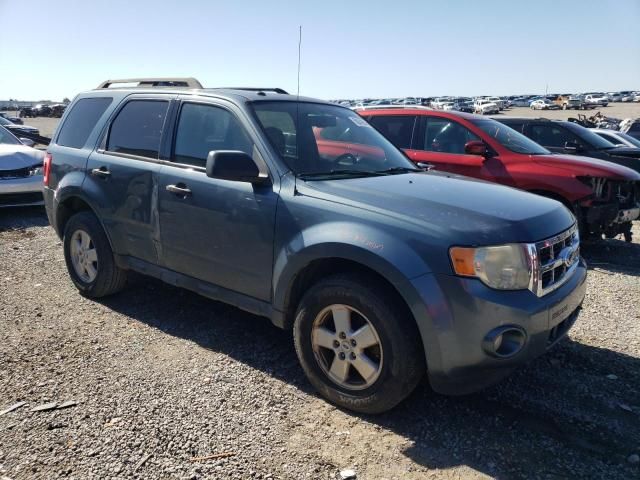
509, 138
4, 121
320, 139
595, 140
8, 138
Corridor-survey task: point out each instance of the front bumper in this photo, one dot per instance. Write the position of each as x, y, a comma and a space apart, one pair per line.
462, 312
21, 191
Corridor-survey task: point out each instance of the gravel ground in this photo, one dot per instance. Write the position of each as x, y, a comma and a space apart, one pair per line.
162, 376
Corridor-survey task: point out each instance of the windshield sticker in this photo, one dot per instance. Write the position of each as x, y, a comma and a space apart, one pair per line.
359, 121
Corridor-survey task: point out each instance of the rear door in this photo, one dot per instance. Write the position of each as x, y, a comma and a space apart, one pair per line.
217, 230
122, 176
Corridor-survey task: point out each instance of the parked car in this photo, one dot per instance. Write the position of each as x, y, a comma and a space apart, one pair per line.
13, 119
520, 101
57, 110
604, 197
597, 99
614, 96
570, 102
543, 104
27, 112
631, 128
626, 96
18, 130
41, 110
485, 107
20, 172
572, 139
498, 101
371, 262
617, 138
463, 106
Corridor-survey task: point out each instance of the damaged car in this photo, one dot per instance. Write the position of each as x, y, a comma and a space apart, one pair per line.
603, 196
20, 172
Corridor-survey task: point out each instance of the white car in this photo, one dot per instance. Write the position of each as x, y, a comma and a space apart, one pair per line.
616, 137
596, 99
498, 101
21, 179
543, 104
485, 107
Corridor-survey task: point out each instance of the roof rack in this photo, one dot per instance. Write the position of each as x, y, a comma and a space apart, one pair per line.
251, 89
392, 107
188, 82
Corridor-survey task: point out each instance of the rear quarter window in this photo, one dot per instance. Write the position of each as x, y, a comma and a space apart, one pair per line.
81, 121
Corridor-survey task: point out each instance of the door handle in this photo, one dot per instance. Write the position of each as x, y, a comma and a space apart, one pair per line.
101, 172
180, 189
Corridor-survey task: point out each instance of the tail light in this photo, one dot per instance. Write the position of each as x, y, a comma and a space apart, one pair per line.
47, 168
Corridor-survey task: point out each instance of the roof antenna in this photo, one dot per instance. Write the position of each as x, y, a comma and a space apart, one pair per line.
299, 51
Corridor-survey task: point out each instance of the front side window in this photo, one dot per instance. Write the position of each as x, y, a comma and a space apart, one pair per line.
446, 136
552, 136
138, 128
204, 128
397, 128
319, 139
81, 121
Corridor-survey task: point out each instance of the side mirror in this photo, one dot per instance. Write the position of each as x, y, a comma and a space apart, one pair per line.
27, 141
572, 147
476, 147
233, 165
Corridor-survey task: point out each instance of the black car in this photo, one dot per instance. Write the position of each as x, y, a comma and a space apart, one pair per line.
571, 138
27, 112
18, 130
42, 111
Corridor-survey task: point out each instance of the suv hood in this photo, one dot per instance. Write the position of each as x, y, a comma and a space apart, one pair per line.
586, 166
457, 209
14, 157
624, 152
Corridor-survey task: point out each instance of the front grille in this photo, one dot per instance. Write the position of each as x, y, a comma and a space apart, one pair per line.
18, 173
556, 259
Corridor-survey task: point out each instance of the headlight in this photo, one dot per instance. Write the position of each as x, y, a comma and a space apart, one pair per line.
504, 267
35, 171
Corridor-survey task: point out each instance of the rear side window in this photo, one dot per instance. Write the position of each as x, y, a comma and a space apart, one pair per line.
138, 128
447, 136
397, 128
81, 121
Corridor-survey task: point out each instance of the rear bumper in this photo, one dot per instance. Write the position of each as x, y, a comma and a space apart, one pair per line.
465, 314
21, 191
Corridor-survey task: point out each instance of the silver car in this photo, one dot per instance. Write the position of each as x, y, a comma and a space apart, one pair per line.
21, 180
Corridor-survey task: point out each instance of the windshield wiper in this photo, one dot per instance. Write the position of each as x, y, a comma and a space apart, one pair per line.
338, 173
393, 170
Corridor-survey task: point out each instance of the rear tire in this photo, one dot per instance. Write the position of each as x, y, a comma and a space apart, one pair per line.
359, 347
89, 257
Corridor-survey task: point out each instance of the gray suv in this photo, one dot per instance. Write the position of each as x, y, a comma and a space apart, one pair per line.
298, 210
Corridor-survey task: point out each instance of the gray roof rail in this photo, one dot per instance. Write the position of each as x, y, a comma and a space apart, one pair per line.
255, 89
188, 82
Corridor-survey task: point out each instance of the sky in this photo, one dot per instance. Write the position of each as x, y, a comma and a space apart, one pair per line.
50, 49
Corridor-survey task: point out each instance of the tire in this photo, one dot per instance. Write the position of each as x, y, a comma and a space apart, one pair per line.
108, 278
398, 358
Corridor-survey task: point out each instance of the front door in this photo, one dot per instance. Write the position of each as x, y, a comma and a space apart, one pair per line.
215, 230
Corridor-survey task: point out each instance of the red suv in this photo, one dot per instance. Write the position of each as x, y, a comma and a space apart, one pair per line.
605, 197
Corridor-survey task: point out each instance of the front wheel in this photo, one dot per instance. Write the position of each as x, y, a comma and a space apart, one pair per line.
359, 347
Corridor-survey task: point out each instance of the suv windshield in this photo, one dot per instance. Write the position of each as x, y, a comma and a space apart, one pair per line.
595, 140
324, 140
509, 138
7, 138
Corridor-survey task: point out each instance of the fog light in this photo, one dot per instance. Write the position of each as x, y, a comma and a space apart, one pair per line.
505, 341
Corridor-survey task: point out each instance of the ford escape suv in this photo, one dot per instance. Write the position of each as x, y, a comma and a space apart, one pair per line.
383, 271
